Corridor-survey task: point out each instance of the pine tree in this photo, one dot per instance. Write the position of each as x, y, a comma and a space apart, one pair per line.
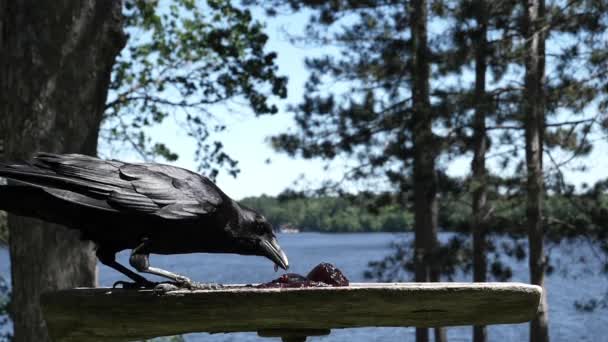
381, 113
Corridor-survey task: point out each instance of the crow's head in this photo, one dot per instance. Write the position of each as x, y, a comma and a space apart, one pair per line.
256, 237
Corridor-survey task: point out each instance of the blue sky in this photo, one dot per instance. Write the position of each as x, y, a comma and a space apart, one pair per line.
246, 136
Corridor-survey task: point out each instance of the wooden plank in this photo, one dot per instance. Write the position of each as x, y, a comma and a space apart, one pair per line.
103, 314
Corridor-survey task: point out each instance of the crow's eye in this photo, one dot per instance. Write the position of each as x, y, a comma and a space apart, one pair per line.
260, 228
260, 225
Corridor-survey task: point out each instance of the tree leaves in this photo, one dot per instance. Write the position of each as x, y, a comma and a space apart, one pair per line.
189, 60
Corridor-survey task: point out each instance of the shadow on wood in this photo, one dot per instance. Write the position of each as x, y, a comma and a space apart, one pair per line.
103, 314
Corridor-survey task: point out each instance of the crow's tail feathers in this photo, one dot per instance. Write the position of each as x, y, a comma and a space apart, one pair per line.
19, 171
28, 174
42, 173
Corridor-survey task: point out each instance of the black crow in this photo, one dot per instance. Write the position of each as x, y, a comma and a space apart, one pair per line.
145, 207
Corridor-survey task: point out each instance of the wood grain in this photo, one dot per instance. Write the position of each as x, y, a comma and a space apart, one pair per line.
102, 314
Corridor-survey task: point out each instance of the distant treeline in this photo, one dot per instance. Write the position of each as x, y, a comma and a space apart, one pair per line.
335, 214
330, 214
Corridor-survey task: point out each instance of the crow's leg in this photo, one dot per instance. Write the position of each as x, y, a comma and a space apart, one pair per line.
109, 259
141, 262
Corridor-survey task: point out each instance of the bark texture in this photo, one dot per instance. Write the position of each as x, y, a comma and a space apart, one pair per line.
55, 68
534, 121
425, 153
478, 165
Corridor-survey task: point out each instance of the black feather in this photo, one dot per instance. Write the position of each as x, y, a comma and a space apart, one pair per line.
118, 205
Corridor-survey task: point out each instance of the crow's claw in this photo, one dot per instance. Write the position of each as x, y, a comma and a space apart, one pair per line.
163, 288
192, 285
206, 286
183, 280
134, 285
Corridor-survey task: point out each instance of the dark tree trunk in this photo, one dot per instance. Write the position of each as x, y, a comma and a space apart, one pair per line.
478, 165
424, 144
56, 62
534, 117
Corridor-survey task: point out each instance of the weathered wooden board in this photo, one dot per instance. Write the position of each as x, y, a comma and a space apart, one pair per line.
104, 314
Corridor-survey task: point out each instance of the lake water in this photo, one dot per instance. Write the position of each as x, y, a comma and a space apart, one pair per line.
351, 253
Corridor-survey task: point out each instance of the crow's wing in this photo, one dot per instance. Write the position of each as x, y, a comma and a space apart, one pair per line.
167, 191
153, 189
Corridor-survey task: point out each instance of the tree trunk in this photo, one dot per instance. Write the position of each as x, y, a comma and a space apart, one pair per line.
425, 178
534, 107
478, 165
56, 62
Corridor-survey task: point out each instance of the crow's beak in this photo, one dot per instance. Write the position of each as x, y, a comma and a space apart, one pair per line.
275, 253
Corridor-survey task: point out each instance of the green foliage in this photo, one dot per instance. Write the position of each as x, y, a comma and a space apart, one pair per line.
330, 214
183, 60
357, 102
567, 216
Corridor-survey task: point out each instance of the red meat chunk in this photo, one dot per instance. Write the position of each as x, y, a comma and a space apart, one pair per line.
322, 275
328, 274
